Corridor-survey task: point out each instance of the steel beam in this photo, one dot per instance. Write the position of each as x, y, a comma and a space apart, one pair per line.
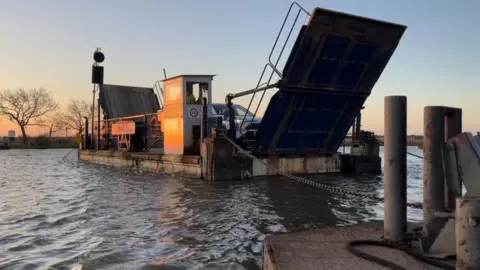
251, 91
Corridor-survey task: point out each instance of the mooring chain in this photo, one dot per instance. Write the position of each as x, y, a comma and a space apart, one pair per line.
71, 150
337, 190
414, 155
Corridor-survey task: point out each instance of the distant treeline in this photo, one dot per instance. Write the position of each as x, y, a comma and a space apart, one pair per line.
52, 139
41, 142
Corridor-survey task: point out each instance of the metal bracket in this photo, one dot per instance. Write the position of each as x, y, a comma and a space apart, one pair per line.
461, 161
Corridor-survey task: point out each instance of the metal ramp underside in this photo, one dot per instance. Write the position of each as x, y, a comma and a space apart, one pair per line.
334, 64
120, 101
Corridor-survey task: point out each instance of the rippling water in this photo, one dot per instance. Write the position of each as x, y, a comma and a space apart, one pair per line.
56, 212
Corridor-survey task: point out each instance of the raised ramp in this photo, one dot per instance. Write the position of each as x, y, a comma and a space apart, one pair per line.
335, 62
120, 101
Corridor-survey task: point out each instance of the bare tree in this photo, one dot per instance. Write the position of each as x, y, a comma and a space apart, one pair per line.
22, 106
54, 121
73, 116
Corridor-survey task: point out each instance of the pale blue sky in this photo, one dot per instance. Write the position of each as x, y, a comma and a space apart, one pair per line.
50, 43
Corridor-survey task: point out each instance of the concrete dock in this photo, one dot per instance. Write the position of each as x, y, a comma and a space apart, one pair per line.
326, 249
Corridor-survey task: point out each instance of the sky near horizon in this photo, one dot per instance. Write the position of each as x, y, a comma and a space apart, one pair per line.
50, 44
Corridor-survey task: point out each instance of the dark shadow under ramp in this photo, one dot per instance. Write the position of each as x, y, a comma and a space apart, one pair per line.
121, 101
334, 64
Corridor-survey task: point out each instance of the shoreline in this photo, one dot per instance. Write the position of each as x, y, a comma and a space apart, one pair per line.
31, 147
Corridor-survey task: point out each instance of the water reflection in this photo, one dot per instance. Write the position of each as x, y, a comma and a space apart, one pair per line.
55, 212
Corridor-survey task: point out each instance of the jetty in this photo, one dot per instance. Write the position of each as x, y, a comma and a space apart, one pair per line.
327, 248
448, 238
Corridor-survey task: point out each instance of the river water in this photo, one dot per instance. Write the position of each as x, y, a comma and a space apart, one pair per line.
56, 212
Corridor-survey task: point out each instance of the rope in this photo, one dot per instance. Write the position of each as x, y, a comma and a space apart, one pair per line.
336, 190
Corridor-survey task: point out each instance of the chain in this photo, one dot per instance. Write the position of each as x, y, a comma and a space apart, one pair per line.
71, 150
414, 155
337, 190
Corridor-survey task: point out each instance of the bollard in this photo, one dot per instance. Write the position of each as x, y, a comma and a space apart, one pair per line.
433, 174
467, 232
395, 168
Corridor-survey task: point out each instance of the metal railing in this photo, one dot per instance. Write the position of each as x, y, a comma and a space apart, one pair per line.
273, 64
152, 130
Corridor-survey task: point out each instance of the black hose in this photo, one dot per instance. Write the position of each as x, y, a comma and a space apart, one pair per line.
351, 248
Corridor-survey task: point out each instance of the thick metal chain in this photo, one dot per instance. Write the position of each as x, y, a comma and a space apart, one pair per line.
414, 155
337, 190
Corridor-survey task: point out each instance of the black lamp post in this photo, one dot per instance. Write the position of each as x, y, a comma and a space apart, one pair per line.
97, 80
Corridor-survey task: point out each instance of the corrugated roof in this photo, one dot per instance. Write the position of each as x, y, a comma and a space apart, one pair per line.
121, 100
